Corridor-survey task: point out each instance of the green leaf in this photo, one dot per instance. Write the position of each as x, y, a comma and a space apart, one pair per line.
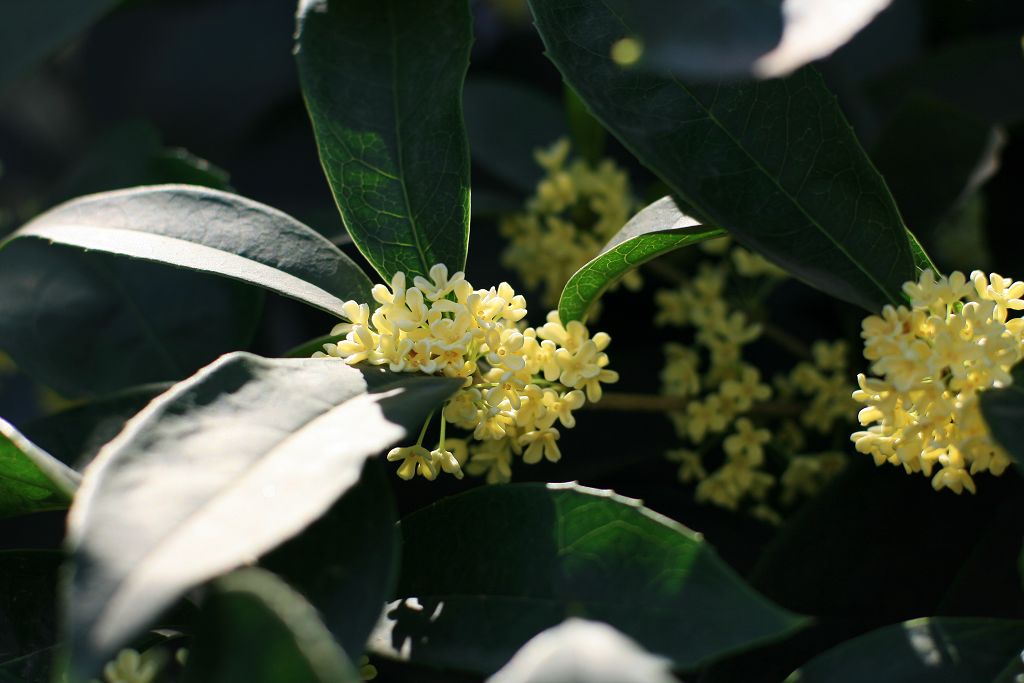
131, 321
774, 162
658, 229
935, 650
708, 39
1003, 410
506, 122
580, 650
346, 563
220, 469
30, 30
933, 156
587, 134
31, 480
255, 629
75, 435
208, 231
28, 614
493, 567
383, 84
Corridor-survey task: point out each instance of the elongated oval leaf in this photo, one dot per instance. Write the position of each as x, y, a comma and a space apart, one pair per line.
581, 650
220, 469
255, 629
31, 480
774, 163
209, 231
658, 229
936, 650
530, 555
382, 80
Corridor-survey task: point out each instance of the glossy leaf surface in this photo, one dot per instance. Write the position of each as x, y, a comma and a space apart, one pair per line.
382, 80
31, 480
531, 555
658, 229
209, 231
220, 469
773, 162
255, 629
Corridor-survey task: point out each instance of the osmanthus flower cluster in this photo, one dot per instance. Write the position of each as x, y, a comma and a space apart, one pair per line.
931, 361
733, 419
577, 208
521, 382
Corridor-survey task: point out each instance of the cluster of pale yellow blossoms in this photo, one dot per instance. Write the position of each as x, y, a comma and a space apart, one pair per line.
577, 208
519, 381
932, 360
725, 397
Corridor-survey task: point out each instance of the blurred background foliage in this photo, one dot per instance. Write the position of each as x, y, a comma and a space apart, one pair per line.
206, 92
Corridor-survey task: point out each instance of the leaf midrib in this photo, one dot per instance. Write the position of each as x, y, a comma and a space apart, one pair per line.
398, 140
813, 221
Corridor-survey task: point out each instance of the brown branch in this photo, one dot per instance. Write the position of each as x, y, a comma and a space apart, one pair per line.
655, 403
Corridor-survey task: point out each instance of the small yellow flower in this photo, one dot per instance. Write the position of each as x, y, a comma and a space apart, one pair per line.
415, 460
933, 361
691, 467
540, 443
747, 444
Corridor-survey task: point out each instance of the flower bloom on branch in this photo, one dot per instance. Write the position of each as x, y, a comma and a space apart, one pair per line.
520, 383
750, 442
931, 361
577, 208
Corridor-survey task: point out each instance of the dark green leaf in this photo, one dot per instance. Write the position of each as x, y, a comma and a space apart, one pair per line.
494, 566
936, 650
1003, 410
88, 324
933, 156
28, 614
255, 629
30, 29
208, 231
774, 163
383, 83
580, 650
506, 122
75, 435
587, 134
922, 261
658, 229
31, 480
346, 563
220, 469
708, 39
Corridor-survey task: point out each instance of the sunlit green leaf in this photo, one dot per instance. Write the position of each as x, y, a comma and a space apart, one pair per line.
656, 230
382, 80
220, 469
31, 480
208, 231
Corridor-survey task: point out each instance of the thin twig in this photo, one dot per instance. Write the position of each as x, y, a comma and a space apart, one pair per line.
655, 403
